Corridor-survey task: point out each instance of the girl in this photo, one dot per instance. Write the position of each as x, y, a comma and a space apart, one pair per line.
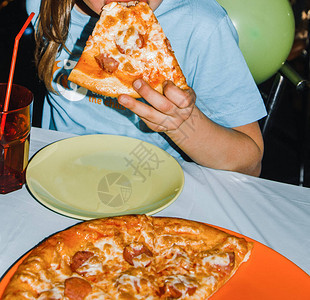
214, 123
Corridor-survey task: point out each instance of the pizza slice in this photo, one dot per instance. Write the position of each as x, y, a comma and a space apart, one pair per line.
127, 43
194, 260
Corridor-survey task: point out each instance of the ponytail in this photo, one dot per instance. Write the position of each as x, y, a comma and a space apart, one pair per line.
51, 35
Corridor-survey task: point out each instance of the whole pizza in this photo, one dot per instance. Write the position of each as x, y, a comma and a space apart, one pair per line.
130, 257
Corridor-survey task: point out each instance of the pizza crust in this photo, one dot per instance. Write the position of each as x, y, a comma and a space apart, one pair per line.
110, 86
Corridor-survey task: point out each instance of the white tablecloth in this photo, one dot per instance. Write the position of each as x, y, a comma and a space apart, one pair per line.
275, 214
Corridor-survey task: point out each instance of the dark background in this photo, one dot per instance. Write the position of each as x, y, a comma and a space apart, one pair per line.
287, 144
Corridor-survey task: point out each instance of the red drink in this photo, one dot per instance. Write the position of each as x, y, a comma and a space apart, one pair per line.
14, 138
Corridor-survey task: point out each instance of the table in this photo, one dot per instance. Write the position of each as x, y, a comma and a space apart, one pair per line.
273, 213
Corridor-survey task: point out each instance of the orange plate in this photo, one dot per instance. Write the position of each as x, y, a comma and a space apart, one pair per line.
266, 275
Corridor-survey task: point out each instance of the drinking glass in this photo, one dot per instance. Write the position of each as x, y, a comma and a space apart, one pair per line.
14, 137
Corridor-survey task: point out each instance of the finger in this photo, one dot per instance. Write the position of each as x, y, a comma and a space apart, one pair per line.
156, 99
180, 98
141, 109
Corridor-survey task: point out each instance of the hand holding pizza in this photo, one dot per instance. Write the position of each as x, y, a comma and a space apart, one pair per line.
128, 56
167, 111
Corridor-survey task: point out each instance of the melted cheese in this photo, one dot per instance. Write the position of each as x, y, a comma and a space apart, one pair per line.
54, 293
110, 9
98, 295
36, 282
26, 295
141, 260
175, 257
181, 283
217, 259
133, 281
110, 248
91, 267
127, 40
136, 286
58, 272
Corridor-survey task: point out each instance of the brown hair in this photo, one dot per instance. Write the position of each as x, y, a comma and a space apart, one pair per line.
51, 35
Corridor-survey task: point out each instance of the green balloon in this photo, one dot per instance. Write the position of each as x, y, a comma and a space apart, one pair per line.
266, 30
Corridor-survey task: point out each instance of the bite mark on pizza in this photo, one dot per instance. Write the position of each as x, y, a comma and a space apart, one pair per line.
126, 44
130, 257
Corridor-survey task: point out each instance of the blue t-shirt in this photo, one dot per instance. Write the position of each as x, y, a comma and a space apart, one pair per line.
205, 43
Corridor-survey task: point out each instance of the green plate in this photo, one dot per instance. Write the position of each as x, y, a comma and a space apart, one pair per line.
95, 176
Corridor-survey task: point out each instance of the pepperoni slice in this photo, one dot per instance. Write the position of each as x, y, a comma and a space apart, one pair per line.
177, 286
107, 63
79, 258
134, 250
77, 288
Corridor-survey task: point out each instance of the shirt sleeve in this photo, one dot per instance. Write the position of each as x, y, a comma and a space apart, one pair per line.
226, 91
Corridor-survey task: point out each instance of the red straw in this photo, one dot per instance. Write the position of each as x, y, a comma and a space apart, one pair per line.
10, 82
9, 87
